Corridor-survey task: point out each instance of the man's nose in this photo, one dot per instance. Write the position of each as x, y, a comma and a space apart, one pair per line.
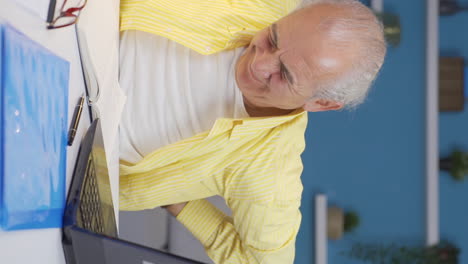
265, 63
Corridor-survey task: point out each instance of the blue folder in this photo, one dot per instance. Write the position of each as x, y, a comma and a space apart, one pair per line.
33, 130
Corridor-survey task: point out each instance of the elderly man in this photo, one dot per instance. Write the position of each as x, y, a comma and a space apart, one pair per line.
232, 123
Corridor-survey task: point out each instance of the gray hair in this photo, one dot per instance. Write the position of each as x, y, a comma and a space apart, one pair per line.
358, 24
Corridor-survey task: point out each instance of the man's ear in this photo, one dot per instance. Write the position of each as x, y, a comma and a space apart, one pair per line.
320, 105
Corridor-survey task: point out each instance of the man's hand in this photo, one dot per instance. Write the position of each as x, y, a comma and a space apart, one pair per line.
175, 209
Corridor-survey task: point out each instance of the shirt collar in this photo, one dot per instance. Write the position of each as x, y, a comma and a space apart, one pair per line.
251, 124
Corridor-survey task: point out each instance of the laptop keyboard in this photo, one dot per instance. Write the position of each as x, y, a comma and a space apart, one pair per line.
90, 207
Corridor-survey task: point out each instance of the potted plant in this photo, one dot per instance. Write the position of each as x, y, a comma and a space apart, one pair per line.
391, 28
450, 7
351, 221
443, 253
456, 164
339, 222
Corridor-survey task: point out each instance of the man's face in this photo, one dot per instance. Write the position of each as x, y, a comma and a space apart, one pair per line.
283, 62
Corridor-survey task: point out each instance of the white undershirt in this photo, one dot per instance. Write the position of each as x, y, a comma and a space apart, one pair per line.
172, 92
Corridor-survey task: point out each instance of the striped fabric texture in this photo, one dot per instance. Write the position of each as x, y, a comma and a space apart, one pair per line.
206, 26
254, 163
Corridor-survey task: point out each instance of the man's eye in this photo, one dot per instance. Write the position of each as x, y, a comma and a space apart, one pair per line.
270, 40
283, 73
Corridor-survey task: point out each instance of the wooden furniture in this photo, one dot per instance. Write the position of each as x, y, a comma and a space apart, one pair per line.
451, 84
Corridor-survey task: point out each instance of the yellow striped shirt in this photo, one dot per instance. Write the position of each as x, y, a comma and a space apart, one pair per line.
254, 163
206, 26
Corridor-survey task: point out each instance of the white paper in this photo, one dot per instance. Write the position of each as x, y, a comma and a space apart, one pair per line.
98, 32
40, 7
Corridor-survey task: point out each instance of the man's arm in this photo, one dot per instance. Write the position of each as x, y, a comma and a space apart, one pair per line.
174, 209
223, 243
259, 232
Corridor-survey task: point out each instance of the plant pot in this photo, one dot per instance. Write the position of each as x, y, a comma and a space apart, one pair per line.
445, 164
456, 164
335, 223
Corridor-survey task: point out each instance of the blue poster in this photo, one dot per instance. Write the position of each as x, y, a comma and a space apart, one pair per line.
33, 127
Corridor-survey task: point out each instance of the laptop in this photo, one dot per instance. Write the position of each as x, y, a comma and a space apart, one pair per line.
89, 232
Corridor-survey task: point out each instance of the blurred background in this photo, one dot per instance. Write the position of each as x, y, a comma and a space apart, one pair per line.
372, 161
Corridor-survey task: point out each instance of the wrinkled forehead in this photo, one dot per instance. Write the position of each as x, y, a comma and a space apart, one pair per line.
311, 53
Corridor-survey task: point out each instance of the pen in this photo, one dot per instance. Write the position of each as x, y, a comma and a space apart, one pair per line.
75, 120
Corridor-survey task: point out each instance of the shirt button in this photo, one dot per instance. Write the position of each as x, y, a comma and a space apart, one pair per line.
168, 29
207, 49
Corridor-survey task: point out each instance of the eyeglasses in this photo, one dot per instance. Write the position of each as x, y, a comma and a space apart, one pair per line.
68, 16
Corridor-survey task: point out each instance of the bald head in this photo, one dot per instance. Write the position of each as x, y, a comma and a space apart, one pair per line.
331, 57
352, 28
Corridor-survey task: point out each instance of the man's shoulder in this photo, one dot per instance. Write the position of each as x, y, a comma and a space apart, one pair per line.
292, 136
215, 31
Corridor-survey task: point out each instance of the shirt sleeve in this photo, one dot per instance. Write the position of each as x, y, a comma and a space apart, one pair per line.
224, 244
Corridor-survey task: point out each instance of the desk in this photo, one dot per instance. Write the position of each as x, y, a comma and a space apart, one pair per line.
44, 245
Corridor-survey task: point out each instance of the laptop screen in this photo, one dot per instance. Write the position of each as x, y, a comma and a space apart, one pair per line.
89, 227
89, 203
96, 211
